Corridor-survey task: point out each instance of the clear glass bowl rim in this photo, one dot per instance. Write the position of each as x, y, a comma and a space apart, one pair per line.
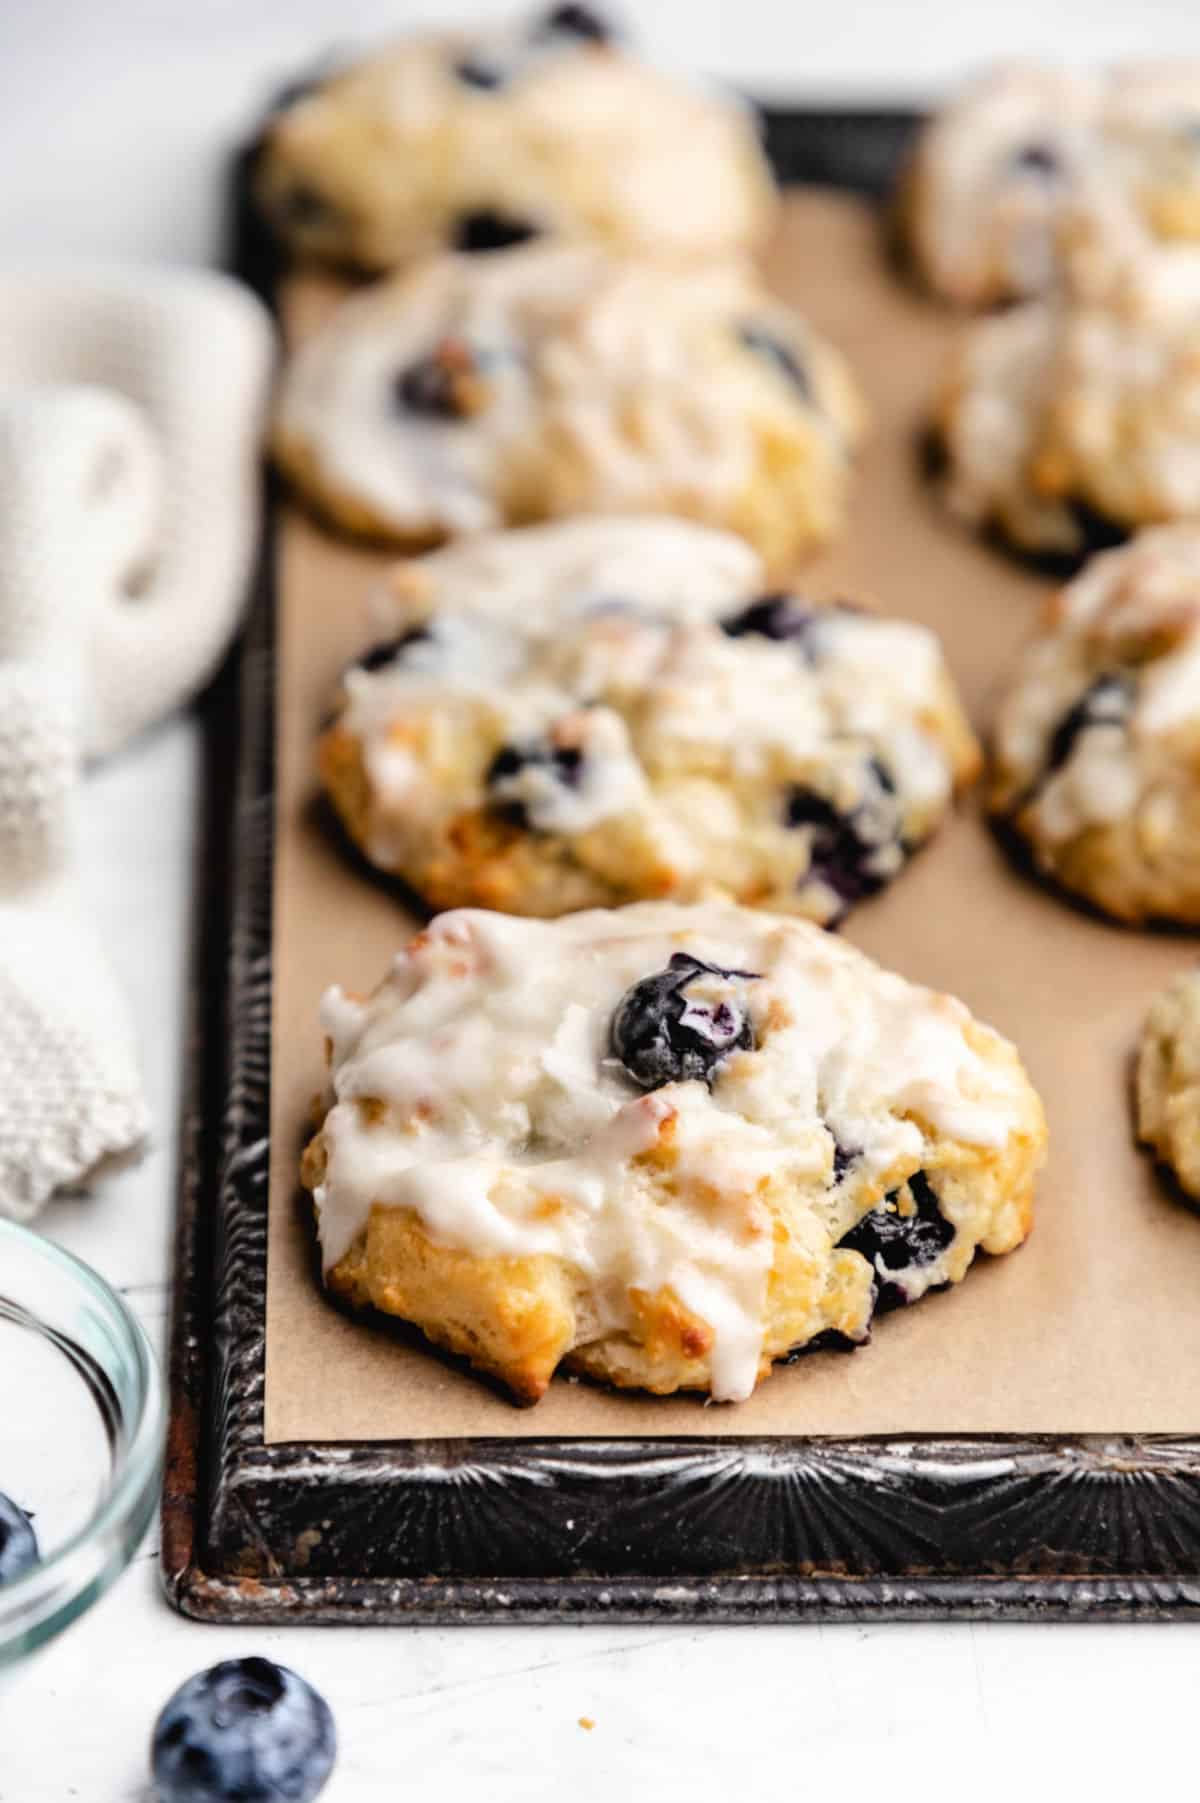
45, 1598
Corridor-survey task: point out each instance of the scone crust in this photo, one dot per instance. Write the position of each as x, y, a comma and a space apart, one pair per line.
1097, 739
1167, 1081
555, 133
964, 1139
543, 382
657, 750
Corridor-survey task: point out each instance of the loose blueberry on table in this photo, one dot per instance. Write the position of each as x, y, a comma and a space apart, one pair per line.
18, 1542
245, 1731
661, 1035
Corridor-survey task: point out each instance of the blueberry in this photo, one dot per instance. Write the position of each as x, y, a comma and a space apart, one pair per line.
780, 617
894, 1243
1105, 703
391, 651
1096, 531
661, 1035
246, 1731
574, 22
18, 1542
1037, 159
764, 343
786, 620
304, 208
434, 385
853, 854
505, 783
474, 72
843, 1158
829, 1340
489, 230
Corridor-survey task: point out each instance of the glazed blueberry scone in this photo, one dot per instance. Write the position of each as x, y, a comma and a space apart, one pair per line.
471, 141
987, 206
1151, 134
550, 381
1167, 1087
601, 711
982, 198
1067, 423
1097, 739
662, 1145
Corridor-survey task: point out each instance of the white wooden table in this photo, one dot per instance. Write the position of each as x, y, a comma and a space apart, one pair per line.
114, 128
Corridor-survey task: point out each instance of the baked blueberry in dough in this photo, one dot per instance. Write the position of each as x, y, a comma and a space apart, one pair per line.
1012, 160
1068, 423
546, 127
618, 1142
542, 382
1097, 738
1167, 1090
600, 711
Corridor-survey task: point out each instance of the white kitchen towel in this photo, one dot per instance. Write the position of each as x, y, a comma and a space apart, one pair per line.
131, 407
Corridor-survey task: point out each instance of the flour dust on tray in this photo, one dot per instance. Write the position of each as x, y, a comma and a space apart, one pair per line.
662, 1146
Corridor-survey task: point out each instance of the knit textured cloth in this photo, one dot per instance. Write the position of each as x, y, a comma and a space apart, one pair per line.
131, 408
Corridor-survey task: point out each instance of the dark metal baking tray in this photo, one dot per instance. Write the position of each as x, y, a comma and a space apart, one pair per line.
541, 1530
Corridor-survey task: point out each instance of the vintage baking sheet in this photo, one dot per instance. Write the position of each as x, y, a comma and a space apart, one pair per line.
1095, 1325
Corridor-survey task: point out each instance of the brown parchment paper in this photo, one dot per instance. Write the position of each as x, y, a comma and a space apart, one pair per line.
1094, 1326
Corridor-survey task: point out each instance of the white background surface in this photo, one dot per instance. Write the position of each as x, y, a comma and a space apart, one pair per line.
115, 120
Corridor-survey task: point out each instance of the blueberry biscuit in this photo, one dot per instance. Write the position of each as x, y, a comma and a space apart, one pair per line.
546, 128
600, 711
1167, 1091
1067, 423
663, 1145
551, 381
999, 176
982, 200
1097, 741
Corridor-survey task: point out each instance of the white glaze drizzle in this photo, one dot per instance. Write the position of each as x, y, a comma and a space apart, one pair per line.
489, 1046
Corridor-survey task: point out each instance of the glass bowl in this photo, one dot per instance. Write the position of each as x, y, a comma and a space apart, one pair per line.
81, 1429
